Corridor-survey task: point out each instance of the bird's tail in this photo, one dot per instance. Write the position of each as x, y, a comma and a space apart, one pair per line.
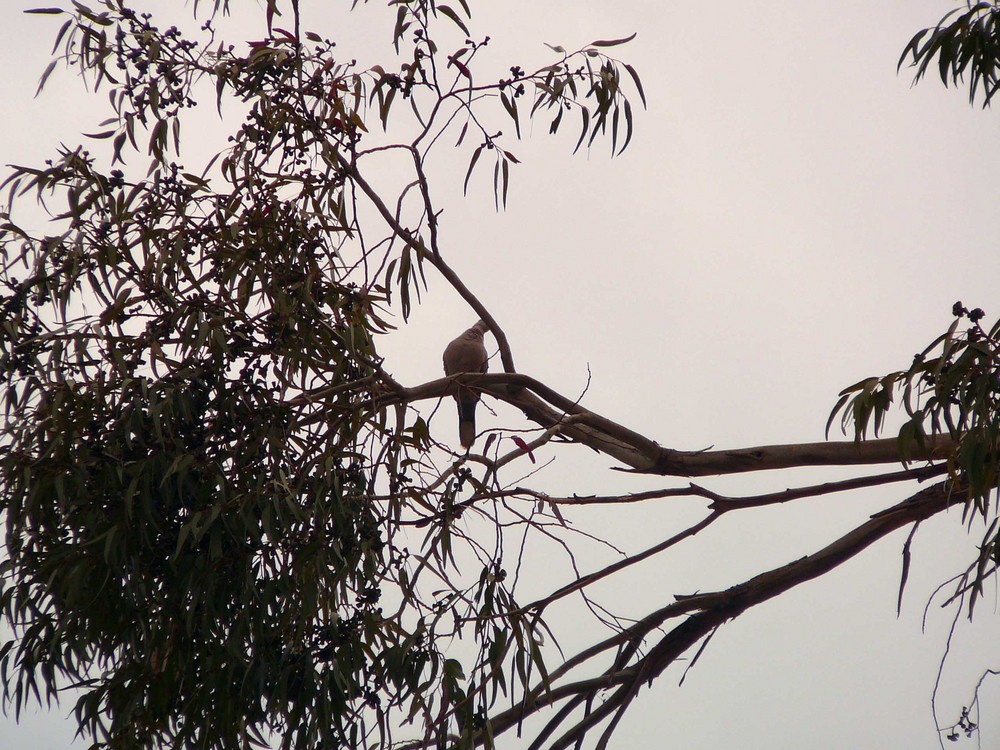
467, 421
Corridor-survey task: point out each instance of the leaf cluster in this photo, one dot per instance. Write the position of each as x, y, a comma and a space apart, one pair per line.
965, 43
952, 388
586, 82
952, 391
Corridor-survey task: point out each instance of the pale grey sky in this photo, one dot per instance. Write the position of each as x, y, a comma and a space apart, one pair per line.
790, 217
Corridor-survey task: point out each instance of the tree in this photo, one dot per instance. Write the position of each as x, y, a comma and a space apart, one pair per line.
225, 518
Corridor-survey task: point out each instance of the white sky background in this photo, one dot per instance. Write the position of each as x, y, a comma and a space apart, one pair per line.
791, 217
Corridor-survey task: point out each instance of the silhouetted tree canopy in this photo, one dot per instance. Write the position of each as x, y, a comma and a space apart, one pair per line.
227, 524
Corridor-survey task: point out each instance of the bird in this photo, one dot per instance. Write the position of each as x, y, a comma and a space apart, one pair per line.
467, 353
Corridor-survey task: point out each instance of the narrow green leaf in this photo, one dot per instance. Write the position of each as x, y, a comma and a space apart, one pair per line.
472, 163
638, 84
157, 140
384, 104
447, 11
45, 76
506, 181
614, 130
62, 32
628, 125
554, 125
585, 115
496, 185
613, 42
400, 27
461, 135
511, 106
911, 47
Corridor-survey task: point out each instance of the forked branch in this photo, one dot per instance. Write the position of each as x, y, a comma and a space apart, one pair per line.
702, 614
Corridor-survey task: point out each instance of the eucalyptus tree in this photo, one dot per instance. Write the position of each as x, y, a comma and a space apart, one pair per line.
228, 524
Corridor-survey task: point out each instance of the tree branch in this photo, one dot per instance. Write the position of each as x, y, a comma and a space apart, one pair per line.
707, 612
548, 408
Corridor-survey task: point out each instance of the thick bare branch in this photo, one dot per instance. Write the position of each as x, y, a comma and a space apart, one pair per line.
705, 612
548, 408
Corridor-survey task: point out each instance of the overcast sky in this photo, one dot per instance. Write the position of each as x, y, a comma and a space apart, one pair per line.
791, 216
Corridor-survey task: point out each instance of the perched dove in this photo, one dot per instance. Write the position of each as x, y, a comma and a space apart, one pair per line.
467, 353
